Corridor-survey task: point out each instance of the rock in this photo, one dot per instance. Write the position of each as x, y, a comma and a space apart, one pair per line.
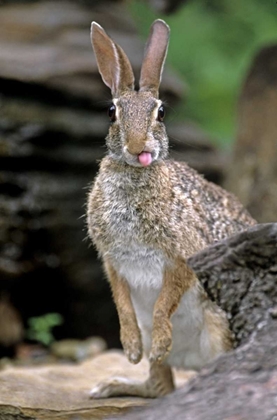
240, 275
78, 350
62, 391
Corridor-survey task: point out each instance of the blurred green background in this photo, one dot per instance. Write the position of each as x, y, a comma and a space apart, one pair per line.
211, 47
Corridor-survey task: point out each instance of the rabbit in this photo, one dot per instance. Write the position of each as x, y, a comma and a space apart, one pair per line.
146, 215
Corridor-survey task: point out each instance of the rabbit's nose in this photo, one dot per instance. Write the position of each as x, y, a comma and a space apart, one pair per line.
135, 147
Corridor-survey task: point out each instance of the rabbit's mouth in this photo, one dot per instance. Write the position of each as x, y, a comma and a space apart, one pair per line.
145, 158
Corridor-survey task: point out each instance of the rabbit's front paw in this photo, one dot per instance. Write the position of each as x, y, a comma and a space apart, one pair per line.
132, 346
161, 341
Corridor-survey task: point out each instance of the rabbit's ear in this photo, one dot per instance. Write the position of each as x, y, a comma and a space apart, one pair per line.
113, 64
154, 57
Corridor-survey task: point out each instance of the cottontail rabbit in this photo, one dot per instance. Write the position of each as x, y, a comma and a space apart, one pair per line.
147, 215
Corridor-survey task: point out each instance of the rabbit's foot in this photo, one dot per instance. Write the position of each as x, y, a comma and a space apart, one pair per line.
113, 387
132, 345
161, 341
159, 383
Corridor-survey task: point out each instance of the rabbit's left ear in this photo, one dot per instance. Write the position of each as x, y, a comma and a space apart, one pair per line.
154, 57
113, 64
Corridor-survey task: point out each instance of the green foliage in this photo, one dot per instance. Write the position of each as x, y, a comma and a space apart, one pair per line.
212, 45
40, 327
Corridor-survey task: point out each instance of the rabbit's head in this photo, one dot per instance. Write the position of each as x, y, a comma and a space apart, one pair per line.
137, 135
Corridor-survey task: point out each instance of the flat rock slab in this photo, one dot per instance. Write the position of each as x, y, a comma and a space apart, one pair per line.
62, 391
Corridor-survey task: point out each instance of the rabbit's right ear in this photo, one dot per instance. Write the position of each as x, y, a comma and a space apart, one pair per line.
113, 64
154, 57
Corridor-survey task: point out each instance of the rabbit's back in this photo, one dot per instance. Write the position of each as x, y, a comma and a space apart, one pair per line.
222, 214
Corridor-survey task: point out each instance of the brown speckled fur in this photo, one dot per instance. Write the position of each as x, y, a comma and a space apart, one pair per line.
176, 209
160, 213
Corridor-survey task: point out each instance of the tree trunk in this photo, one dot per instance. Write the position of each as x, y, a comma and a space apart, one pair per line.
253, 171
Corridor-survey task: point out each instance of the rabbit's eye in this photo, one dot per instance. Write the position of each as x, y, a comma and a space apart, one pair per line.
111, 112
161, 113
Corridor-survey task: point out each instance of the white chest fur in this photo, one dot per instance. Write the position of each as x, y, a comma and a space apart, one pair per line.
143, 267
140, 265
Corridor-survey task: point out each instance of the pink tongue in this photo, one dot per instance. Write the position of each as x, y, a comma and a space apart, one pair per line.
145, 158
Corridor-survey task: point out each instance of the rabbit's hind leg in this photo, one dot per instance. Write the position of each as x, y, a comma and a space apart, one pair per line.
159, 383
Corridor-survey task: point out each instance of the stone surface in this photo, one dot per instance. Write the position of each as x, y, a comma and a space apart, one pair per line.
78, 350
62, 391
